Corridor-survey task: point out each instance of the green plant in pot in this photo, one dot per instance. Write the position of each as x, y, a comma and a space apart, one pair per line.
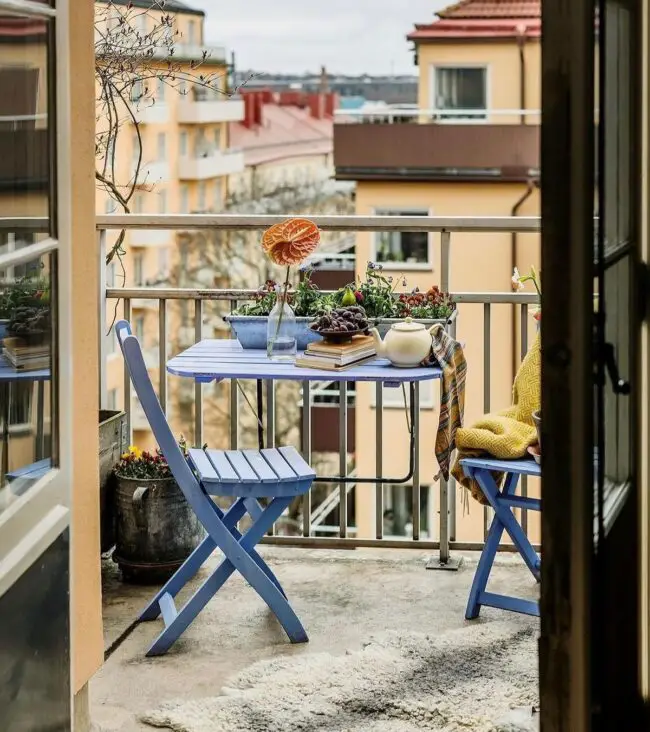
156, 529
22, 301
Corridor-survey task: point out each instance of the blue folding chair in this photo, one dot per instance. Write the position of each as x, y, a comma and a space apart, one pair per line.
246, 475
482, 470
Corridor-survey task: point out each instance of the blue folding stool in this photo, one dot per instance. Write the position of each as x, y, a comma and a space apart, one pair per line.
502, 501
246, 475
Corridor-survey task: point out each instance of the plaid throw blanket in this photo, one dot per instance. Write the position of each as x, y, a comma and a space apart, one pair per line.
448, 354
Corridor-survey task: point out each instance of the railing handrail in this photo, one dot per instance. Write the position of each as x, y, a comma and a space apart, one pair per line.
181, 222
426, 112
190, 293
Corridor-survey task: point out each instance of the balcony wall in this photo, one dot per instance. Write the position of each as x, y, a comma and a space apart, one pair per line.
150, 237
213, 166
206, 112
148, 113
436, 152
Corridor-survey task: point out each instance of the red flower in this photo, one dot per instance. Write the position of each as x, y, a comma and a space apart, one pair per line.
359, 296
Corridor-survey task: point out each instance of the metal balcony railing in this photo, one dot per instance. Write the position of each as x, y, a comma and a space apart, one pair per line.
445, 227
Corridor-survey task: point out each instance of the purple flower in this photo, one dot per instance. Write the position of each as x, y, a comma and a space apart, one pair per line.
371, 265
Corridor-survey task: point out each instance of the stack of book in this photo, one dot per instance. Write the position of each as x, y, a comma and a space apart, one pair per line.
26, 358
338, 357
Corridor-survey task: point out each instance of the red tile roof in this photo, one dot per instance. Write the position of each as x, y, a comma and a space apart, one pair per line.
493, 9
286, 132
482, 19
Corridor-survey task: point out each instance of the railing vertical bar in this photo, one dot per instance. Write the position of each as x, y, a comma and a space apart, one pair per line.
487, 360
444, 517
445, 260
127, 382
343, 458
415, 396
198, 386
379, 459
234, 398
103, 350
162, 353
524, 350
306, 453
452, 488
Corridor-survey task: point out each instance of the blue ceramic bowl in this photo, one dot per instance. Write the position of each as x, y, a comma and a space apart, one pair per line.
250, 331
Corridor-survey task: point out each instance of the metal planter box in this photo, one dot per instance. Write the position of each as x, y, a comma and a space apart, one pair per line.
113, 441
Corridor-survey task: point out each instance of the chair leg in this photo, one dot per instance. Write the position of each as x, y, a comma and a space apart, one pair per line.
238, 556
488, 555
510, 523
192, 564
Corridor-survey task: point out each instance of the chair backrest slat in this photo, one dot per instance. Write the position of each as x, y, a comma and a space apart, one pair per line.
164, 437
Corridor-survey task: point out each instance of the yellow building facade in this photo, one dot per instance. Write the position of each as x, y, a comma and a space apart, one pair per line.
474, 153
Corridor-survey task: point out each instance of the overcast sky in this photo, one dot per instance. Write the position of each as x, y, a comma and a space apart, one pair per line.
348, 36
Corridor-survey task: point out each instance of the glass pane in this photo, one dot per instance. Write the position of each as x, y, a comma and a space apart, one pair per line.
27, 448
27, 280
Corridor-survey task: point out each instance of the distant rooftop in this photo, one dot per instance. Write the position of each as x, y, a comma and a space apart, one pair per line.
172, 6
482, 19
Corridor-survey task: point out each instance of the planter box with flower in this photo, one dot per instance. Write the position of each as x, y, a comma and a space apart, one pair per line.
156, 529
385, 299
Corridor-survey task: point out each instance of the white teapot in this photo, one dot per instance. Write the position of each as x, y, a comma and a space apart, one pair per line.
405, 345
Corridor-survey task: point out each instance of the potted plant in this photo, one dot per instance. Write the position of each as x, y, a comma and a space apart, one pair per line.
379, 296
156, 529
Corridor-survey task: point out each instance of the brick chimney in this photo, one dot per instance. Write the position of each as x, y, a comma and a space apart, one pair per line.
331, 103
249, 109
316, 103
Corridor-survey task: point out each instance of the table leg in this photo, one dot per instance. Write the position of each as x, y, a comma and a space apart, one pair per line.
415, 426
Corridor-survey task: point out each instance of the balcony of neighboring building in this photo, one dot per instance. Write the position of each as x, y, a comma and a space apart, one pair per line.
211, 164
410, 144
150, 237
208, 106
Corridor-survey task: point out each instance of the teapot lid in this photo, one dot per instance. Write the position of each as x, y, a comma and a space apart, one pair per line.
407, 326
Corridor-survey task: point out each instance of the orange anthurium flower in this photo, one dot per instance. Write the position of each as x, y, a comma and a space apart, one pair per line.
291, 241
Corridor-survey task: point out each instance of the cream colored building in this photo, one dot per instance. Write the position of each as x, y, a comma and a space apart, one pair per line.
187, 160
474, 153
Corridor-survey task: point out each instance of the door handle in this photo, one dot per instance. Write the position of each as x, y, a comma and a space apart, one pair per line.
619, 385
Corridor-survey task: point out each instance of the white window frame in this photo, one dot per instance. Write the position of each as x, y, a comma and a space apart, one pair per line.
138, 269
403, 266
488, 93
183, 143
34, 520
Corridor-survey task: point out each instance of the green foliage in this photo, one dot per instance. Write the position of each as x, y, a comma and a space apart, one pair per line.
32, 292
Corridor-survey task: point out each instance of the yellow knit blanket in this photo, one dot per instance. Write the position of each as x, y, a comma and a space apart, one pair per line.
508, 434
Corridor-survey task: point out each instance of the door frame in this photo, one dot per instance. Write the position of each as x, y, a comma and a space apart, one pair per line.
568, 101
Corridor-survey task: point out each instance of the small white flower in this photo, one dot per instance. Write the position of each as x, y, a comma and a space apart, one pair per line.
517, 284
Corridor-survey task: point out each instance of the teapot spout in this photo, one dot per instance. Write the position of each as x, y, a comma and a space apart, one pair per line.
379, 344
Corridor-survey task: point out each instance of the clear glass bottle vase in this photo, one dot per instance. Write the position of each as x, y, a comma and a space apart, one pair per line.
281, 330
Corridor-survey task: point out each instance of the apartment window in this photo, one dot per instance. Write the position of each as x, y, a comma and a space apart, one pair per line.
217, 138
138, 203
110, 275
110, 342
110, 206
141, 22
160, 89
184, 144
400, 248
138, 269
111, 400
162, 202
185, 199
137, 90
20, 405
191, 33
460, 88
202, 196
398, 397
137, 147
163, 260
327, 394
218, 194
162, 146
138, 328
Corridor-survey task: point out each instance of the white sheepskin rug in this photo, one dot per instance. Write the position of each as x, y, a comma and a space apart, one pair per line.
466, 680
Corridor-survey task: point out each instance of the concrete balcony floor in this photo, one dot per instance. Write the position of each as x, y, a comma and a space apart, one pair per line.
343, 597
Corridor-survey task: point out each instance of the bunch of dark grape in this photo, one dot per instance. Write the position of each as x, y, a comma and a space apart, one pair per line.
343, 320
26, 320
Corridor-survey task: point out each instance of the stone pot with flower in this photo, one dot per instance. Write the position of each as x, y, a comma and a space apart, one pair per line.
156, 530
